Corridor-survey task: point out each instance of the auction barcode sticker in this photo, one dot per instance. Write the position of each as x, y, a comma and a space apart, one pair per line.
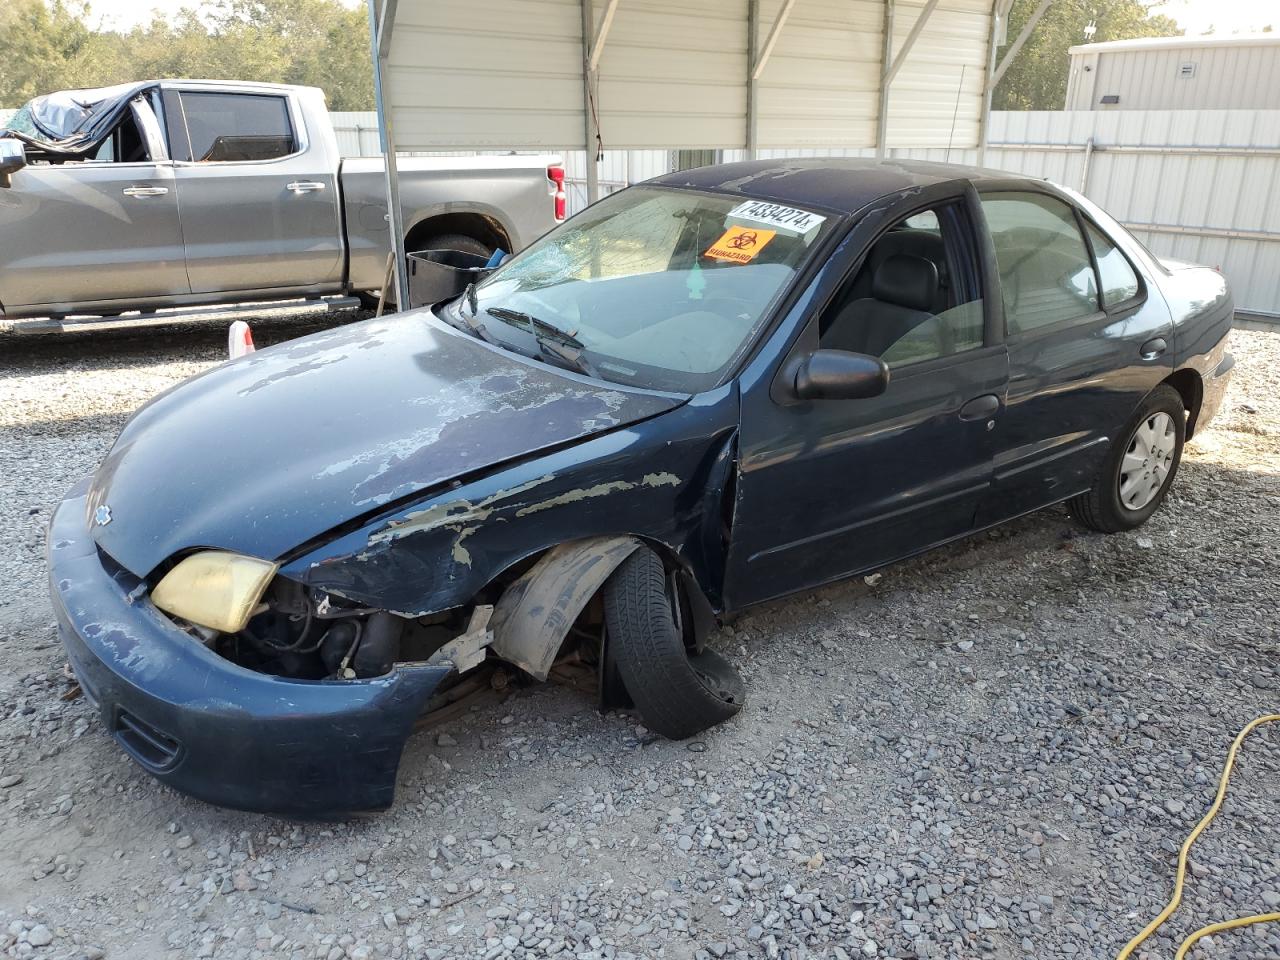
776, 215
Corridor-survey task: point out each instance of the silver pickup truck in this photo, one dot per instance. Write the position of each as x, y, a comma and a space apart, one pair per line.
180, 193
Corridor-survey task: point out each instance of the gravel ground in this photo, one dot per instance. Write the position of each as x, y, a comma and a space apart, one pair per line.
991, 751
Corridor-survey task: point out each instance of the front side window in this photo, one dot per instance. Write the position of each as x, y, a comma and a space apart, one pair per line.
1119, 282
127, 142
657, 288
915, 296
1046, 275
222, 127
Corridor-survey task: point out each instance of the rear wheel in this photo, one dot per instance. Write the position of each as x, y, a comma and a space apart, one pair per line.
679, 693
1138, 471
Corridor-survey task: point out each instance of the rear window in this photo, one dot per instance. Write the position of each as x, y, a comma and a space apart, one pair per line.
224, 127
1119, 282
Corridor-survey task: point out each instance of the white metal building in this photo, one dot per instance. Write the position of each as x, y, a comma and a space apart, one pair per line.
1177, 73
598, 75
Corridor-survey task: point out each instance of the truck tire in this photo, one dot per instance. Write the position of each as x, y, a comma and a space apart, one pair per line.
678, 693
455, 241
446, 241
1139, 468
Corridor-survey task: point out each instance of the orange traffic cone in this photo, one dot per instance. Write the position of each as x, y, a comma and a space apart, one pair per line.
239, 340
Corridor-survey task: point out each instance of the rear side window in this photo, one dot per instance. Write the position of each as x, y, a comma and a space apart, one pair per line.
1046, 275
222, 127
1119, 282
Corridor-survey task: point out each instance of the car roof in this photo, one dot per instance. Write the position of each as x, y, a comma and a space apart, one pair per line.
845, 184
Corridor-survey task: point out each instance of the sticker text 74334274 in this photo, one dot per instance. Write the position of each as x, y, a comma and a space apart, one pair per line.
776, 215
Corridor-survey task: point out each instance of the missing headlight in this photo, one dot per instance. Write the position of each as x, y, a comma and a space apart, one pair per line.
307, 634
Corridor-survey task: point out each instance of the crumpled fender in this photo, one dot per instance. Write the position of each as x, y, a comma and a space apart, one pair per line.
660, 481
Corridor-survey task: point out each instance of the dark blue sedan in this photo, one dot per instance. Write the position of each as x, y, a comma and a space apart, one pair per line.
704, 392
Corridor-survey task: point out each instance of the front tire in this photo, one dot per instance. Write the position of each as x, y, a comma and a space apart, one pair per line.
677, 692
1139, 469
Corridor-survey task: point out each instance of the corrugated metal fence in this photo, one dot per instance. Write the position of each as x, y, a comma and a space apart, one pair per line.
1198, 185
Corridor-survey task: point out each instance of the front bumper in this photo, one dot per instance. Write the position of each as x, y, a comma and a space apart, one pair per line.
210, 728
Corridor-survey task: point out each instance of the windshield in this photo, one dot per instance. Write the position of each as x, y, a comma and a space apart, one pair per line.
650, 287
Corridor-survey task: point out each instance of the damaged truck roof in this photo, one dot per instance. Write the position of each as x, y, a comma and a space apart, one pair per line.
71, 122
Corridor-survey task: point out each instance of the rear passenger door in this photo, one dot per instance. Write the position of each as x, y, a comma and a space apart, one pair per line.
1087, 340
258, 193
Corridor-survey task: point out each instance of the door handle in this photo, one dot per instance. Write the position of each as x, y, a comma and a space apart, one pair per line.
1154, 348
980, 408
136, 191
305, 186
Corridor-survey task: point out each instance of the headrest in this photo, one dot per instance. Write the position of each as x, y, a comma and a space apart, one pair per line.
906, 281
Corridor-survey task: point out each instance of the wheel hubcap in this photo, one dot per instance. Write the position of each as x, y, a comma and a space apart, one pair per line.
1147, 461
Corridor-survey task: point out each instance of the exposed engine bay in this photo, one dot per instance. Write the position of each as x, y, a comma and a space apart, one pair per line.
310, 635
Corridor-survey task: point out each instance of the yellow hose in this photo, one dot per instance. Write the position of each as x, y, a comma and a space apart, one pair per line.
1167, 912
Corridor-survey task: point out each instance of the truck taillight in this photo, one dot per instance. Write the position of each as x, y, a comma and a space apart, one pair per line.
555, 177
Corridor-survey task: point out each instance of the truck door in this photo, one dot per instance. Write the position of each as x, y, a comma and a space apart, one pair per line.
101, 229
258, 191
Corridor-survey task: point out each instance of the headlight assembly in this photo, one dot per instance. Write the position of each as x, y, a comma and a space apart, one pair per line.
214, 589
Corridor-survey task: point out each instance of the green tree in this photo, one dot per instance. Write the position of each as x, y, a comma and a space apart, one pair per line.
1037, 78
38, 46
46, 45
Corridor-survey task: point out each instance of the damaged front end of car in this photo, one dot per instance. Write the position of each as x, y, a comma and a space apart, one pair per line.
288, 679
305, 709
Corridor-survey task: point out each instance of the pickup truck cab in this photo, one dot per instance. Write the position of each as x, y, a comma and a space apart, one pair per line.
173, 193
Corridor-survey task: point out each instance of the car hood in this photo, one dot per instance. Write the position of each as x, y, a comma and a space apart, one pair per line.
265, 453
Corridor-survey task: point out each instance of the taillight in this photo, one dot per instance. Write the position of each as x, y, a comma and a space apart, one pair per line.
555, 176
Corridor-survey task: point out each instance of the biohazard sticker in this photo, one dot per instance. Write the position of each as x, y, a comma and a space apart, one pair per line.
740, 244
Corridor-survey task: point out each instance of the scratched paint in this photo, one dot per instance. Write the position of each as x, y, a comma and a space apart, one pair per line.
267, 453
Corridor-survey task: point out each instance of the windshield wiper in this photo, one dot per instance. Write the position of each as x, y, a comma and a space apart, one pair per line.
567, 356
558, 344
535, 325
472, 323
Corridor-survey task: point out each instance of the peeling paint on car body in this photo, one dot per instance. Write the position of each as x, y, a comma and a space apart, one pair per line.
425, 404
435, 555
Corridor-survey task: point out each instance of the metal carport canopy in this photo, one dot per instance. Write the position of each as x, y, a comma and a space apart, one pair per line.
637, 74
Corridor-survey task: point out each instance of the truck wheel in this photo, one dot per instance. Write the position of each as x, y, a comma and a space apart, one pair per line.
677, 692
455, 241
1138, 471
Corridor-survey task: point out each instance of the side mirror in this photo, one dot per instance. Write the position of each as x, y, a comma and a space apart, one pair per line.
13, 157
840, 375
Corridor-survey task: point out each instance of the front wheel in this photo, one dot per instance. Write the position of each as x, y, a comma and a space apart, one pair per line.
677, 692
1138, 471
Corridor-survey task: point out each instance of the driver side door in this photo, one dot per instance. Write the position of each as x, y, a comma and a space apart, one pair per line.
831, 488
99, 230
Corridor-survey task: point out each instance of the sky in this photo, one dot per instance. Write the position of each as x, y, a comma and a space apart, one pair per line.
1195, 16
